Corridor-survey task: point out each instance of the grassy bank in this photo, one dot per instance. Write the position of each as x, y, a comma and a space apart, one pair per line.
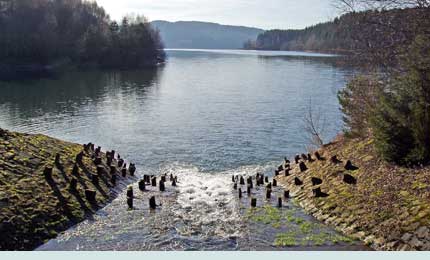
36, 205
388, 207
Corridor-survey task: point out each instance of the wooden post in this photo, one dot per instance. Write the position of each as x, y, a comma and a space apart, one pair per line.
75, 170
90, 195
152, 204
132, 169
161, 184
130, 202
142, 186
253, 202
242, 180
286, 194
95, 178
279, 202
130, 191
113, 179
124, 172
268, 193
73, 184
47, 172
174, 182
266, 179
240, 193
274, 183
98, 161
249, 190
57, 159
235, 186
154, 181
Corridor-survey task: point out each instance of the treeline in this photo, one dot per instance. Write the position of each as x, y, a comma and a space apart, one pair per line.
342, 35
49, 32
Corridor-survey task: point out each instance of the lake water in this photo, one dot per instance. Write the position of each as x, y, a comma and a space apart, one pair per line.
204, 113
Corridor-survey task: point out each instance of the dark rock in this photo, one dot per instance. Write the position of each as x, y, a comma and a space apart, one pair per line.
350, 167
349, 179
318, 193
303, 167
297, 181
316, 181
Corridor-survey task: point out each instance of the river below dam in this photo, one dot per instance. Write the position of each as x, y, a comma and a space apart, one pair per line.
204, 116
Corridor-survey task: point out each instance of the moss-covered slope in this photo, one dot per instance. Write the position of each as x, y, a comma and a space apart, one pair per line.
33, 206
388, 207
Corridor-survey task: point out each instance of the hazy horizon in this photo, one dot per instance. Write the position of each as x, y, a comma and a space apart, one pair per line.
271, 14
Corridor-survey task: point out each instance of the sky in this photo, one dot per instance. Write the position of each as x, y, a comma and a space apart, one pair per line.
264, 14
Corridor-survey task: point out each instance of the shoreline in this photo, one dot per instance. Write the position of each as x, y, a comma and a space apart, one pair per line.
48, 185
384, 206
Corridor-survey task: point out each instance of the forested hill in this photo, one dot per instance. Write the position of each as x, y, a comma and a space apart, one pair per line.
203, 35
343, 34
40, 33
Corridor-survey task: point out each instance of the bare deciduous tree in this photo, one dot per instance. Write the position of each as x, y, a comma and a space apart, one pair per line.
360, 5
314, 125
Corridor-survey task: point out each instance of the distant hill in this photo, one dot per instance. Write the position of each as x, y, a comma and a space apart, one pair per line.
204, 35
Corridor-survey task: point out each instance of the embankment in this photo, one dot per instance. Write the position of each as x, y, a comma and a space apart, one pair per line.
48, 185
384, 205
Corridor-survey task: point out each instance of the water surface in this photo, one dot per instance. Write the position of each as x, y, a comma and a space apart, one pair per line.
203, 116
